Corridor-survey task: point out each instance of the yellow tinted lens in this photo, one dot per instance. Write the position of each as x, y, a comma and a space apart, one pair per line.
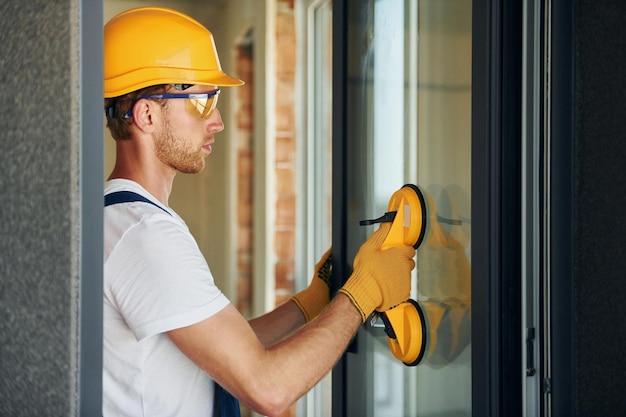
202, 107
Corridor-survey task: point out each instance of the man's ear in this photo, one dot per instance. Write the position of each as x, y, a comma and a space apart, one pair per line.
145, 114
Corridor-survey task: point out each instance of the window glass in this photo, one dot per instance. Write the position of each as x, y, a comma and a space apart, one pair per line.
409, 121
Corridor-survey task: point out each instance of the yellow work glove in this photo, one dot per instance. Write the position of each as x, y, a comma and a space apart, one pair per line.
313, 299
381, 278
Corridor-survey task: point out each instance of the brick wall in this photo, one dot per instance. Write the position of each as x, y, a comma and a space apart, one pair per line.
285, 151
284, 164
245, 172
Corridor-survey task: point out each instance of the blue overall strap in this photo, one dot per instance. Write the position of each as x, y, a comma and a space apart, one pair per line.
224, 404
128, 197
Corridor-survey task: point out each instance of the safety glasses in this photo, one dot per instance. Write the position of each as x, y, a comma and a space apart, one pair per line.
197, 104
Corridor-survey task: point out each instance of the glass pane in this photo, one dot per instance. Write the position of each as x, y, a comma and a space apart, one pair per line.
409, 121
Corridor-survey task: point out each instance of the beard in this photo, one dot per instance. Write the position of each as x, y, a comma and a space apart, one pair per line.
174, 151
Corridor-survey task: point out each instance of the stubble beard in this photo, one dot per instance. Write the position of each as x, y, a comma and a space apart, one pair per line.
174, 151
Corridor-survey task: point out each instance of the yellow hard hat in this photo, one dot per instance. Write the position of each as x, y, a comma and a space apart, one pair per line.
148, 46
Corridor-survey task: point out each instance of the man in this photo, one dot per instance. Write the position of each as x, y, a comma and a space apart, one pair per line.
169, 333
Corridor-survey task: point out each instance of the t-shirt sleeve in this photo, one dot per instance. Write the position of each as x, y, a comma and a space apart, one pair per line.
159, 280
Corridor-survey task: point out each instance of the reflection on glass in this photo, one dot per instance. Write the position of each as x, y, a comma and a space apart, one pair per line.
409, 121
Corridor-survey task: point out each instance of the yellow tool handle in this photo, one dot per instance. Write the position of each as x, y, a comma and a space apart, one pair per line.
409, 224
405, 326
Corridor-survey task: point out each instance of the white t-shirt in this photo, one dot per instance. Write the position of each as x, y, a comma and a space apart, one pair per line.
155, 280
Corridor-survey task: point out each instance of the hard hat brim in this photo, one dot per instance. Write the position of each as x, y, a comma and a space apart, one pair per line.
138, 79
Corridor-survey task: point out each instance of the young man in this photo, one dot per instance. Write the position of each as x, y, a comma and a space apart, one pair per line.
169, 333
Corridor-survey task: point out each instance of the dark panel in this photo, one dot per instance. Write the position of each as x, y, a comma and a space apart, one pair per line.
561, 196
496, 185
511, 186
600, 182
482, 119
340, 265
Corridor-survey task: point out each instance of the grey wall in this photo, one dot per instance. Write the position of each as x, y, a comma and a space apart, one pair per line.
50, 207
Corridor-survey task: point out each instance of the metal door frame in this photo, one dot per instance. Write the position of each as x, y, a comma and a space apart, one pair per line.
496, 208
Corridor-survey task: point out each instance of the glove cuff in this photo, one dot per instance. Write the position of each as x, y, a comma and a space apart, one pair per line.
365, 298
313, 299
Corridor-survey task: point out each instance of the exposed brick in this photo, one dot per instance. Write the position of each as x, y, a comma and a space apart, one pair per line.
286, 212
285, 244
285, 118
245, 64
285, 42
285, 153
244, 214
244, 120
245, 93
284, 6
285, 85
245, 168
285, 181
284, 275
244, 238
285, 149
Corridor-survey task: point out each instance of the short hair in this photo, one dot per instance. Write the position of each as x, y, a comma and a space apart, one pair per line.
116, 108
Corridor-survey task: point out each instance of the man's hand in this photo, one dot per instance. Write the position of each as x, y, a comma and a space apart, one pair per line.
313, 299
381, 278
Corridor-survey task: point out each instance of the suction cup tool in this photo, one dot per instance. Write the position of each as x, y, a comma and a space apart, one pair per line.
409, 224
405, 326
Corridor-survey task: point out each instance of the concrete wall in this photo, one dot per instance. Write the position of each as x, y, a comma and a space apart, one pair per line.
51, 208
